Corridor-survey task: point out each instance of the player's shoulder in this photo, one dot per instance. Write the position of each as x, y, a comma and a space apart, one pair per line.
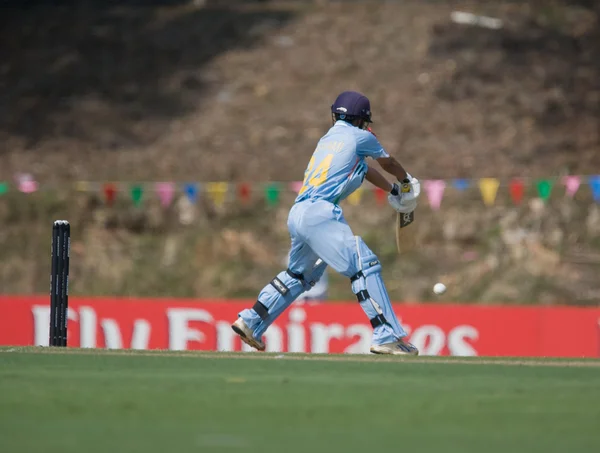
365, 138
368, 145
349, 131
363, 134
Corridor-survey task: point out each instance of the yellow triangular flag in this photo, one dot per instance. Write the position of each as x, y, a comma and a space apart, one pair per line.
489, 189
82, 186
217, 192
354, 197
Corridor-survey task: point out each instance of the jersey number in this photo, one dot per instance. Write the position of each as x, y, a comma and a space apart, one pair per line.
316, 176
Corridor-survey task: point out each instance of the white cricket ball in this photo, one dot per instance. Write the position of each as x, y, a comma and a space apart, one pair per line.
439, 288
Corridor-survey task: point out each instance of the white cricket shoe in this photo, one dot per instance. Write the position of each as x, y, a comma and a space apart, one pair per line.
399, 347
240, 327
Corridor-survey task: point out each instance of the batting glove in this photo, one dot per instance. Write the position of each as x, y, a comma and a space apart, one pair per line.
412, 189
404, 199
400, 205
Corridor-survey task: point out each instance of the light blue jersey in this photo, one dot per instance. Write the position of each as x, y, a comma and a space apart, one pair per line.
321, 237
337, 167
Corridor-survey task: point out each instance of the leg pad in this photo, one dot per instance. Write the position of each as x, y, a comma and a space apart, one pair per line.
280, 286
261, 310
377, 321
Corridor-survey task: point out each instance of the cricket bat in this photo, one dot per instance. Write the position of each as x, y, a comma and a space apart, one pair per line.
403, 219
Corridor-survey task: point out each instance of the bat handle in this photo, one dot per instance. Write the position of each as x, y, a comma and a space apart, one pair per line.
405, 185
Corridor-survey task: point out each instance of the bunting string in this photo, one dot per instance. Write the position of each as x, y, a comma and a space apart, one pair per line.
271, 192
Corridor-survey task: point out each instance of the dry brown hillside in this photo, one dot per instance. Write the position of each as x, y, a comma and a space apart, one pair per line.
222, 90
193, 90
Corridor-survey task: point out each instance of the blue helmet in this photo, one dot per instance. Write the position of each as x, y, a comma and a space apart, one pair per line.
351, 105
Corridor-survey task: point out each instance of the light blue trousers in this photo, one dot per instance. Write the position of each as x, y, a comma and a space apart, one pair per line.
318, 230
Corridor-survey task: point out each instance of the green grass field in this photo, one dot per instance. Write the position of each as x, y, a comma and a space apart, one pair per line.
123, 401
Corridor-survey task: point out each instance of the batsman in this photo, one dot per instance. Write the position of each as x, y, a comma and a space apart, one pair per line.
321, 237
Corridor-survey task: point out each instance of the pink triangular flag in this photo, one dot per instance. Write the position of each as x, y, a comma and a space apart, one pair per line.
165, 191
435, 192
571, 184
295, 186
26, 183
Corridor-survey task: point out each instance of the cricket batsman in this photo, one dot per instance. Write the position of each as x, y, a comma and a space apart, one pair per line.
321, 237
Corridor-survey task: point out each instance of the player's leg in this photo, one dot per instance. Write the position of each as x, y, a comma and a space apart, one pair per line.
305, 269
370, 290
326, 231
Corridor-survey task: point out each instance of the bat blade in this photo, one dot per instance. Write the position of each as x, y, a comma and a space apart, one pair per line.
402, 221
406, 219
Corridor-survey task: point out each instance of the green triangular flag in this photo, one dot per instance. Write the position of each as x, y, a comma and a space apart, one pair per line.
272, 194
3, 188
544, 188
137, 192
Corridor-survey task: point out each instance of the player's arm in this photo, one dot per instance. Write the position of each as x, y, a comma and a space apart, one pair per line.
378, 180
369, 146
393, 167
401, 202
405, 201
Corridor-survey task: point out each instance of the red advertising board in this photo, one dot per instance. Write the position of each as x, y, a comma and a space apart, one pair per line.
180, 324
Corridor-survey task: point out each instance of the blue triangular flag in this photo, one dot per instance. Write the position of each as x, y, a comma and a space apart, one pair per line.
461, 184
191, 190
595, 187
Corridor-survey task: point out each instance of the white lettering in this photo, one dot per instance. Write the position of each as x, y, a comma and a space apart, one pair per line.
321, 335
457, 343
114, 340
362, 346
295, 330
112, 334
429, 339
179, 332
87, 327
225, 336
273, 339
41, 325
140, 338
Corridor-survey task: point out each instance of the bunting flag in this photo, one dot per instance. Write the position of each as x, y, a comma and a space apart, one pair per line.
191, 192
595, 187
295, 186
517, 190
489, 190
272, 194
435, 192
461, 184
217, 191
380, 195
110, 193
355, 197
544, 188
244, 191
26, 183
165, 192
82, 186
571, 185
137, 193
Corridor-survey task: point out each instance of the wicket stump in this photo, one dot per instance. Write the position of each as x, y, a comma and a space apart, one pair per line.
59, 282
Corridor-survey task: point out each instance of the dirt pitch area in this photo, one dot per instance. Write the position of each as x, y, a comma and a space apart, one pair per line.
505, 361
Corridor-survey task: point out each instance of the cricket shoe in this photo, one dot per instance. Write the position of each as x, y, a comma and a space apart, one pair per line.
399, 347
240, 327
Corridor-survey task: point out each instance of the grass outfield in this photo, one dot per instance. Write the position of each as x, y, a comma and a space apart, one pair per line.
122, 401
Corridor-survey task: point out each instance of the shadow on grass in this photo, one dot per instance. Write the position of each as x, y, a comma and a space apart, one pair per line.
93, 69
